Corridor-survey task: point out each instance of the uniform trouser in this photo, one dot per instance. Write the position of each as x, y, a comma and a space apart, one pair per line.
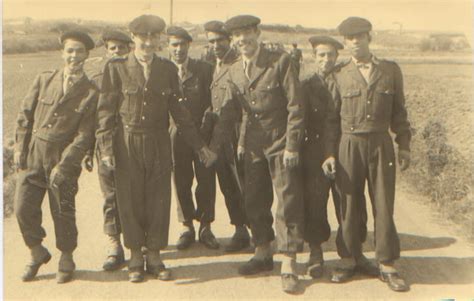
186, 167
31, 187
107, 186
143, 181
229, 183
316, 195
261, 176
368, 157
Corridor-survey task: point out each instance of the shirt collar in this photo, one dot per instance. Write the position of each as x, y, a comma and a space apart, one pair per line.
373, 60
184, 65
254, 56
142, 62
75, 77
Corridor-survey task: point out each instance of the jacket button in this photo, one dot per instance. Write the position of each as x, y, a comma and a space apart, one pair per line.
144, 103
126, 90
215, 96
256, 115
253, 102
50, 125
352, 128
146, 89
126, 126
317, 136
143, 117
162, 93
315, 110
368, 102
180, 99
34, 131
55, 114
216, 109
368, 116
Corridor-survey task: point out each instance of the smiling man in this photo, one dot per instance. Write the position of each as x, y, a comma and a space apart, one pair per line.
369, 103
138, 94
55, 129
272, 131
195, 79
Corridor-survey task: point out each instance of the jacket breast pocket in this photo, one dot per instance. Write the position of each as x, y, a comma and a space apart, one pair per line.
130, 98
270, 96
383, 101
350, 99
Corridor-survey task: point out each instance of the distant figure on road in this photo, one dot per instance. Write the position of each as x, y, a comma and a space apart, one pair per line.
117, 45
55, 129
297, 56
369, 103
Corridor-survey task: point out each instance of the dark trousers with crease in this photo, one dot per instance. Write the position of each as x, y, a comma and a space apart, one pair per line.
186, 166
316, 195
110, 211
31, 187
143, 181
262, 175
230, 185
368, 157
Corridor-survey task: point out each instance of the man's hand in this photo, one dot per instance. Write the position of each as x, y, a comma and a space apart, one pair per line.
329, 168
88, 163
207, 157
240, 153
290, 159
108, 161
19, 160
403, 159
56, 178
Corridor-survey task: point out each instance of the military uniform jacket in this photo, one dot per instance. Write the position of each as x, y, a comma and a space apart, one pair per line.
362, 107
226, 111
51, 115
195, 89
127, 100
272, 103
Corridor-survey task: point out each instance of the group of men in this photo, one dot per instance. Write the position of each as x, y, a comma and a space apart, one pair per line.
247, 119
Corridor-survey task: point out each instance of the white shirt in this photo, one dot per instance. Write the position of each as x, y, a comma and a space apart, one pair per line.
365, 68
250, 62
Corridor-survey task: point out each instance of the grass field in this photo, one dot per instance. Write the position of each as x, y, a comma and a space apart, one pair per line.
438, 93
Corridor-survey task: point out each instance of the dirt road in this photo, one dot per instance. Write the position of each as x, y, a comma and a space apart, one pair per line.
436, 263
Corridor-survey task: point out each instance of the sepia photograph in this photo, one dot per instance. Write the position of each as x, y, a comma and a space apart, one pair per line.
238, 149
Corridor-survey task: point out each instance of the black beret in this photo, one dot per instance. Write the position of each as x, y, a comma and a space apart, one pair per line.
116, 35
179, 32
354, 25
317, 40
241, 21
80, 36
216, 26
147, 24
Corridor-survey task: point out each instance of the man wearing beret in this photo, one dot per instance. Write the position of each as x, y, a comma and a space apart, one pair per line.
195, 78
370, 102
319, 90
117, 45
271, 135
138, 93
227, 170
55, 129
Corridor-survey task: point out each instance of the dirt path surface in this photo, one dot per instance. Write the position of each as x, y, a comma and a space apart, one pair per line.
435, 262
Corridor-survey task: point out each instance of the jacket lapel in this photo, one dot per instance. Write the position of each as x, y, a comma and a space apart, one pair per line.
75, 89
355, 74
375, 75
260, 65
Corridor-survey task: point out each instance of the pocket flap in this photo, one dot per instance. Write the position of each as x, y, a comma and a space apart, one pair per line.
351, 93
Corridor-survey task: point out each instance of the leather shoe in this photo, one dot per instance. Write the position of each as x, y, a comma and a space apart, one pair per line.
315, 269
31, 269
366, 267
64, 276
254, 266
394, 281
340, 275
207, 238
238, 242
136, 274
159, 271
113, 262
289, 283
186, 239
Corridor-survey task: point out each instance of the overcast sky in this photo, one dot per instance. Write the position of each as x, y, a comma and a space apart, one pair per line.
449, 15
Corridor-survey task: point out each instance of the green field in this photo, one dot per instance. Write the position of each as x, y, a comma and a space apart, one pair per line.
438, 93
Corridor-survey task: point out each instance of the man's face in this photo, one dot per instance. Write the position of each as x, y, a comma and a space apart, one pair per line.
178, 48
74, 54
326, 57
246, 40
116, 48
218, 43
145, 45
358, 45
